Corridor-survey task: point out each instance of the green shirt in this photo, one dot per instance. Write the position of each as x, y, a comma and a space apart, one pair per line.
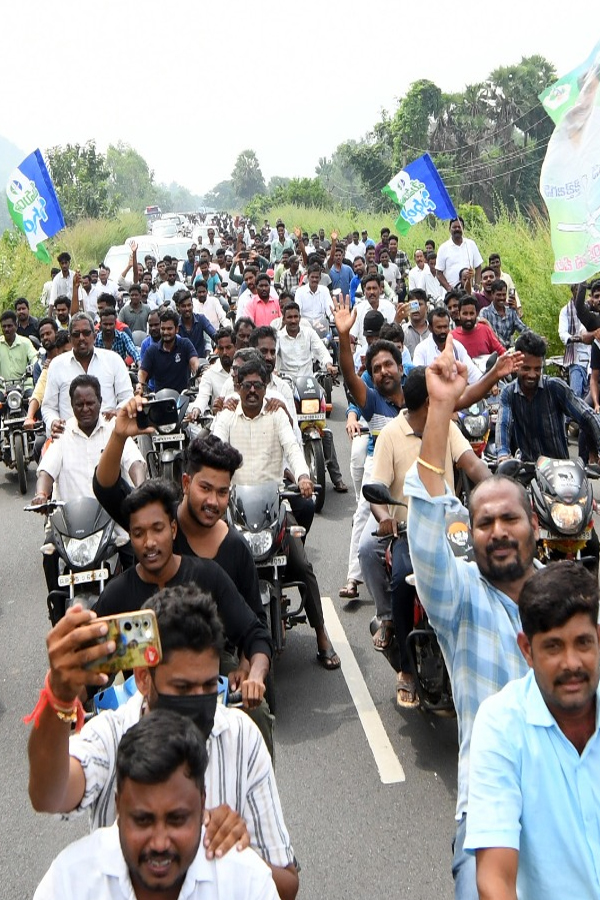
15, 358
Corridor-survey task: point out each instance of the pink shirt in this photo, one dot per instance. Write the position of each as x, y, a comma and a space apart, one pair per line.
262, 312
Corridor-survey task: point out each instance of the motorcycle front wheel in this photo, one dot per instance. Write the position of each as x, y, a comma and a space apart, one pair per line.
315, 459
20, 463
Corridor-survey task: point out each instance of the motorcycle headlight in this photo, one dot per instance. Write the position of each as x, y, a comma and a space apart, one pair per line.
475, 426
82, 553
13, 401
567, 518
260, 543
167, 429
310, 406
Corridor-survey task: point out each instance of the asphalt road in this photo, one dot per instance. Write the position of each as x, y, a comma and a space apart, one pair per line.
355, 837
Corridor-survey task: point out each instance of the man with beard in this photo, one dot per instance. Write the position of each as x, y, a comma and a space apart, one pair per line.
215, 376
48, 329
263, 308
371, 285
473, 607
194, 326
171, 361
484, 296
477, 338
118, 341
73, 773
534, 800
431, 347
455, 254
501, 316
417, 329
298, 347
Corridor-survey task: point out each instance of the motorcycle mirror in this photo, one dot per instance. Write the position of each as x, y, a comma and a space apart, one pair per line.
378, 493
510, 468
491, 361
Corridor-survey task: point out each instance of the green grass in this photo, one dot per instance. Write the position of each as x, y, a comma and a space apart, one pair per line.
22, 275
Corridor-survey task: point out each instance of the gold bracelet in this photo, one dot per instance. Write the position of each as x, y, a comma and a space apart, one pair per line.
431, 468
70, 717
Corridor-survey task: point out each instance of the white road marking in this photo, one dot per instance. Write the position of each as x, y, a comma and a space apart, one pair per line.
388, 764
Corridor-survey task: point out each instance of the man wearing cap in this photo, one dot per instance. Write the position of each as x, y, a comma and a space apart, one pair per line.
263, 308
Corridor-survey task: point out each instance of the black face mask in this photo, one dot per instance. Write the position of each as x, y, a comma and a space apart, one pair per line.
200, 708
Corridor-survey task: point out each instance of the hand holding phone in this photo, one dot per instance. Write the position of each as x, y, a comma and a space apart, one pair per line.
136, 639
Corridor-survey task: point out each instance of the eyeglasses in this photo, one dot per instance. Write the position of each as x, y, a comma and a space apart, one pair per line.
86, 333
252, 386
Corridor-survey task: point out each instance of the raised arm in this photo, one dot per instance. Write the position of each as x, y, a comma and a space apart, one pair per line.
344, 320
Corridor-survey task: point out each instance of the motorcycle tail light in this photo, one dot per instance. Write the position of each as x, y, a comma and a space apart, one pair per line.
567, 518
310, 406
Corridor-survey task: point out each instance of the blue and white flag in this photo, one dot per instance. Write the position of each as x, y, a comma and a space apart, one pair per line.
33, 205
419, 191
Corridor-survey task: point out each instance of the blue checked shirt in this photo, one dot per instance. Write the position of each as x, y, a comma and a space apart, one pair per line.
504, 326
122, 344
536, 427
476, 624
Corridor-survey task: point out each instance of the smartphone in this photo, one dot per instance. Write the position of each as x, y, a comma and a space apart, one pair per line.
157, 413
137, 642
413, 306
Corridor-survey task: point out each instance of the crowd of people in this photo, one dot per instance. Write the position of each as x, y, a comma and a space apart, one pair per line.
241, 317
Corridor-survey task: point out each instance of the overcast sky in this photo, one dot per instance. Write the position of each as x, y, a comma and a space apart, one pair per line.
290, 81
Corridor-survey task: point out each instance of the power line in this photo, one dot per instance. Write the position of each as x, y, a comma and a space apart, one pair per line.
480, 163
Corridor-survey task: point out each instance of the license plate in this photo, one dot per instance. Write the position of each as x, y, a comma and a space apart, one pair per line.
83, 577
275, 561
16, 421
310, 417
163, 438
546, 535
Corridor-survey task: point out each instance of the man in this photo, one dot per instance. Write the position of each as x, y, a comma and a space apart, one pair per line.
62, 309
398, 256
455, 254
171, 361
341, 274
207, 305
532, 411
170, 286
358, 267
371, 285
263, 308
389, 270
476, 337
472, 607
503, 319
484, 296
313, 298
433, 288
298, 347
578, 346
16, 352
451, 302
417, 329
280, 243
189, 265
135, 313
212, 280
45, 295
542, 838
383, 243
108, 367
355, 248
27, 325
291, 277
212, 245
247, 291
496, 264
86, 297
324, 242
55, 342
431, 347
72, 774
118, 341
265, 439
214, 376
397, 448
160, 766
48, 329
106, 285
62, 283
194, 326
418, 273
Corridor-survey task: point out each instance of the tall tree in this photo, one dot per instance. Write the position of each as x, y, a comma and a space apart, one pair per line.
81, 178
247, 177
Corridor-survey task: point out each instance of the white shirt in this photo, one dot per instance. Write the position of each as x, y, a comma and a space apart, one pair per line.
433, 288
277, 389
295, 355
212, 309
94, 868
428, 350
61, 287
451, 258
239, 773
166, 290
391, 274
417, 277
90, 301
583, 352
386, 308
111, 287
105, 365
353, 250
314, 306
210, 387
72, 459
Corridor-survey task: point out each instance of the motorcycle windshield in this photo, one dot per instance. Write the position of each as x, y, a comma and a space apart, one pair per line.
80, 518
256, 506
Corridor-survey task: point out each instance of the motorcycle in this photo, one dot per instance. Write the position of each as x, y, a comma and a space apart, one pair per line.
309, 398
82, 534
427, 662
16, 443
562, 498
164, 451
259, 513
474, 424
325, 330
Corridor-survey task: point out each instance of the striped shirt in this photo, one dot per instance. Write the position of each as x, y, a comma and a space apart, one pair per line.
506, 325
476, 624
239, 773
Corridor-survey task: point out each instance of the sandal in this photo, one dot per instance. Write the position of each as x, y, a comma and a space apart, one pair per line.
328, 659
351, 589
408, 688
383, 636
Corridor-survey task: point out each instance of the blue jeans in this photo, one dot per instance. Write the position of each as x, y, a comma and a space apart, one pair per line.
463, 866
578, 380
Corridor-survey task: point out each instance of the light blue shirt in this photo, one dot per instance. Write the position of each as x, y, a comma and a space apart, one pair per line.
476, 624
530, 790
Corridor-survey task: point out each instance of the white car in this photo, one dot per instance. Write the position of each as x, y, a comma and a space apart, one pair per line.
117, 256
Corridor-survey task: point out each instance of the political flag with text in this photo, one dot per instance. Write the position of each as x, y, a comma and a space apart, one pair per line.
33, 205
570, 176
419, 191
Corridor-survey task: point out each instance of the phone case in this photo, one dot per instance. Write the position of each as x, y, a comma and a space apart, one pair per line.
137, 642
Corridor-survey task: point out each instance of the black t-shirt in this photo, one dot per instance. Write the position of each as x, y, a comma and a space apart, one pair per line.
233, 555
127, 593
595, 357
